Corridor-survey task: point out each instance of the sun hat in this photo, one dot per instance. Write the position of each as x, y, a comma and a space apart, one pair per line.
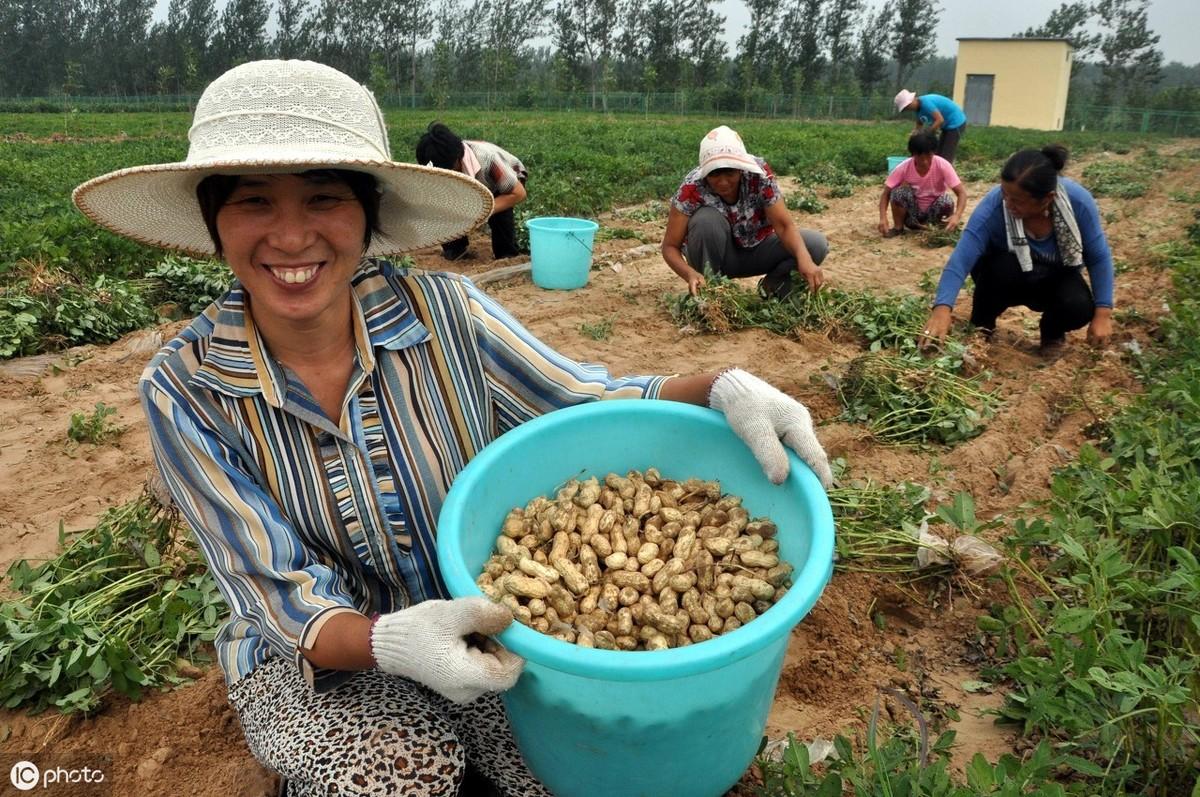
722, 148
283, 117
903, 99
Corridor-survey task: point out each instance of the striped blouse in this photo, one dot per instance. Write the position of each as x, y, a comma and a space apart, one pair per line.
300, 518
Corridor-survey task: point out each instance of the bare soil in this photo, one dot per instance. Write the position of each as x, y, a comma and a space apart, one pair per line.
187, 741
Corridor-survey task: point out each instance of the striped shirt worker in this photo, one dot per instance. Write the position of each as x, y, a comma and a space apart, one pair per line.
301, 518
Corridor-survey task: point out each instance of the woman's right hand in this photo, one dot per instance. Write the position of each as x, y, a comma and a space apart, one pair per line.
884, 228
936, 328
427, 643
694, 281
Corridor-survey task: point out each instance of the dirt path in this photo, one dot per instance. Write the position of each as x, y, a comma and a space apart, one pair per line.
187, 741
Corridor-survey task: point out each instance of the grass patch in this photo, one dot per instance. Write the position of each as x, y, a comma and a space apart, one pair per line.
600, 330
1101, 650
94, 427
606, 233
1120, 178
804, 199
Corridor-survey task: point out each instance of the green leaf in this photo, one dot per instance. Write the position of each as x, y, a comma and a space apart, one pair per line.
1083, 766
830, 787
980, 775
1074, 621
99, 669
989, 624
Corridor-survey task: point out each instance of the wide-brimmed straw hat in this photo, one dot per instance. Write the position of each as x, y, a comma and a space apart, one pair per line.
904, 99
722, 148
284, 117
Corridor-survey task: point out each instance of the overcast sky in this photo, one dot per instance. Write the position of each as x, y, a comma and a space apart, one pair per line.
1176, 21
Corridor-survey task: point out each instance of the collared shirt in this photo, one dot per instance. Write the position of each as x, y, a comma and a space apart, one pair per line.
499, 169
747, 216
300, 517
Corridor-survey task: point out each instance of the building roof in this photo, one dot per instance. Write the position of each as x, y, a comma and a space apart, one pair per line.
1013, 39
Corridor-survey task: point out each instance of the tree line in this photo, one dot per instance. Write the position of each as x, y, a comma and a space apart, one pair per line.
440, 47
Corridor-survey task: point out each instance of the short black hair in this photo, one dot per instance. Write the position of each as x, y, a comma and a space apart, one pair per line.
1035, 170
439, 146
922, 142
214, 191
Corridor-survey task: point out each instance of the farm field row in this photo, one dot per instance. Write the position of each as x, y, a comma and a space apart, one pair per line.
1085, 641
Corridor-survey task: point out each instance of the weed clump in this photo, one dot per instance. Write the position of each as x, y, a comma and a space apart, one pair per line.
905, 399
114, 609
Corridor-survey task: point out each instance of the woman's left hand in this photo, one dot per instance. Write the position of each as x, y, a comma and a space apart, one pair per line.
761, 414
952, 221
1101, 327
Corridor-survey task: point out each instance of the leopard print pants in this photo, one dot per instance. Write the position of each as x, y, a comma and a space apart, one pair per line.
376, 734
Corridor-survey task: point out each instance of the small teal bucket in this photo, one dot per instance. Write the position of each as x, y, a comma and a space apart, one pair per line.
894, 161
561, 251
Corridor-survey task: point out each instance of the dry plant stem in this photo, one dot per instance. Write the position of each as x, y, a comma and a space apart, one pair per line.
1034, 626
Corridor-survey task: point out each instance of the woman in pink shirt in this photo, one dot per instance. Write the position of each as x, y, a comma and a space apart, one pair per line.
916, 190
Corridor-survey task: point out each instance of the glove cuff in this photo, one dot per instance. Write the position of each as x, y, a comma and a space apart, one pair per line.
708, 400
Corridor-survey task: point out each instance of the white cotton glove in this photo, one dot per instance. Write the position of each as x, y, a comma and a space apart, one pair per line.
761, 414
426, 643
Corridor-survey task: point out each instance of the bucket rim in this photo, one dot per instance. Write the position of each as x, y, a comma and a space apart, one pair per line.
808, 582
585, 225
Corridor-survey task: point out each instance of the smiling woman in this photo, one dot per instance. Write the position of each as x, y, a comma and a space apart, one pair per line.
310, 422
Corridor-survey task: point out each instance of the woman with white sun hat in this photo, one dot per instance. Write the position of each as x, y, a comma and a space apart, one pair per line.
728, 217
309, 423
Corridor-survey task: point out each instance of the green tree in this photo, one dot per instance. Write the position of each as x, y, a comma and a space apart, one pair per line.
1130, 59
702, 28
241, 34
802, 58
403, 21
758, 47
113, 50
507, 26
837, 27
290, 25
913, 40
1069, 21
870, 59
36, 37
591, 29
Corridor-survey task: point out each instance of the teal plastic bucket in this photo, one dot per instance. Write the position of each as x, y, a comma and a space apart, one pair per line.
601, 723
561, 251
894, 161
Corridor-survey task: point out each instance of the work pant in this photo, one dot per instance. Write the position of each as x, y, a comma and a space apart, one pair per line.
710, 243
1059, 293
377, 735
948, 142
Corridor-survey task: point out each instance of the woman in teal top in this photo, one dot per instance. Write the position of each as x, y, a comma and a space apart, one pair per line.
943, 116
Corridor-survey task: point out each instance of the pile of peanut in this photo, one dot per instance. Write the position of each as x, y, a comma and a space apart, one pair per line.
638, 562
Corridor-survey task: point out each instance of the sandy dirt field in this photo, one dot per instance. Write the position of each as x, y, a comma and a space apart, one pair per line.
187, 741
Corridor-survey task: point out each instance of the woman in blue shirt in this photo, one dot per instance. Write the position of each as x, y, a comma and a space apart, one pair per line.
1027, 244
943, 115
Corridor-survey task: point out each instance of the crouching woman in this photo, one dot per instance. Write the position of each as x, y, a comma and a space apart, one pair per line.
1028, 244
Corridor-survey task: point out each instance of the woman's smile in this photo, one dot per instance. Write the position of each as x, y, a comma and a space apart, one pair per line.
294, 241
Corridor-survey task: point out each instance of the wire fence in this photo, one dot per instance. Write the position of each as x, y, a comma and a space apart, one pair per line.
724, 101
